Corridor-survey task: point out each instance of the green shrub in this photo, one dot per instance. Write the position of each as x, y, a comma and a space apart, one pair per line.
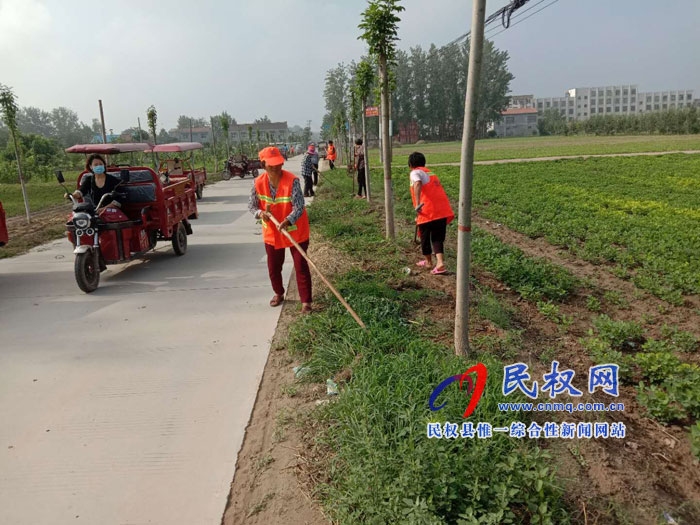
659, 404
657, 366
593, 303
620, 335
549, 310
682, 340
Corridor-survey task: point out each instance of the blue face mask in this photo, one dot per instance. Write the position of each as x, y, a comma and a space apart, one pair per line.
98, 170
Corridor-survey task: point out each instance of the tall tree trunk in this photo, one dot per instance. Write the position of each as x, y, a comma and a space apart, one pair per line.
386, 150
364, 148
21, 175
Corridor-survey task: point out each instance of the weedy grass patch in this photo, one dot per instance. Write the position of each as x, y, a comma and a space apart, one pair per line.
381, 466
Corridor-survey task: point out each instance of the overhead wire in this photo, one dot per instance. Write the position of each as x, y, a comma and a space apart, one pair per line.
523, 19
505, 14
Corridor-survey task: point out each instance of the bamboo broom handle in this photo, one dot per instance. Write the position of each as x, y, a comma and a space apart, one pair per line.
323, 277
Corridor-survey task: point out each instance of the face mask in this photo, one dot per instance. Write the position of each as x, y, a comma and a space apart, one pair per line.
98, 170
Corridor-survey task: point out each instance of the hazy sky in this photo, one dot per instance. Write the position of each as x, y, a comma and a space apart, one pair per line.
270, 56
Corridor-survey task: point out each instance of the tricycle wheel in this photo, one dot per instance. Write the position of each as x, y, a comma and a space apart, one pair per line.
199, 191
87, 272
226, 175
254, 173
180, 239
152, 238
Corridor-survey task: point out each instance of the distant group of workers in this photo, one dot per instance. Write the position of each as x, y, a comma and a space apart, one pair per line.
277, 193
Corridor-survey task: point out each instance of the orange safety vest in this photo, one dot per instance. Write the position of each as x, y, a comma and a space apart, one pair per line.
331, 152
280, 207
436, 205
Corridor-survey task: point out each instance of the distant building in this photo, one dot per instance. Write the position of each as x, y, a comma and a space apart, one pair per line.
517, 122
625, 99
97, 138
521, 101
276, 131
199, 134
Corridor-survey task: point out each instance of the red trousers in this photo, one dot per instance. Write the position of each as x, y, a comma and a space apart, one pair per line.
275, 260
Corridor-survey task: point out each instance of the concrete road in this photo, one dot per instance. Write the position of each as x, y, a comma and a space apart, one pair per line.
129, 405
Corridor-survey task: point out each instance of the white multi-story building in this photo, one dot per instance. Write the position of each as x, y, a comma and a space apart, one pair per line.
583, 103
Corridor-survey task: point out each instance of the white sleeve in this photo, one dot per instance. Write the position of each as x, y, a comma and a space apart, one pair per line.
419, 175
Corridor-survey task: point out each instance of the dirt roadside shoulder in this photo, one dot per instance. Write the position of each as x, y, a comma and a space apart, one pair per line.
266, 487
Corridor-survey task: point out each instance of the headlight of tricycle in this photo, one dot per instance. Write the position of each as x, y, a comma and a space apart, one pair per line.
81, 222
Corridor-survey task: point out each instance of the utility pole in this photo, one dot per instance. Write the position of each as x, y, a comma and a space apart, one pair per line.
102, 119
213, 141
138, 119
466, 177
191, 130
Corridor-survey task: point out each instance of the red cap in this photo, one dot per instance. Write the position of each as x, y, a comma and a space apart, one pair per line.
271, 156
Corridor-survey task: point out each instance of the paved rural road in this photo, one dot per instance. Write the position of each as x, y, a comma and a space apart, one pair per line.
129, 405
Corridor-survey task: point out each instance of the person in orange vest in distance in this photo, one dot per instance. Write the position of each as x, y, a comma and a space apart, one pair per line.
433, 212
331, 155
277, 193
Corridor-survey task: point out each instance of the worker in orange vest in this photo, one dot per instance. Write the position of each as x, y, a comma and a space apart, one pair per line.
331, 155
433, 212
277, 193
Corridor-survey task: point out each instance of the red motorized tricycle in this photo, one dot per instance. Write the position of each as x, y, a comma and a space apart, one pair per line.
150, 210
176, 168
240, 166
3, 227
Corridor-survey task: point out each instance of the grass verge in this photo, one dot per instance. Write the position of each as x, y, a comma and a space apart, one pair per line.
381, 467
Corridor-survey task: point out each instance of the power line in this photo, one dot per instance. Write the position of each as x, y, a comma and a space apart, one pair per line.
505, 13
528, 16
520, 13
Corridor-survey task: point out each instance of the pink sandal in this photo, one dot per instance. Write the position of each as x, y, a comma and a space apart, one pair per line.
422, 263
436, 271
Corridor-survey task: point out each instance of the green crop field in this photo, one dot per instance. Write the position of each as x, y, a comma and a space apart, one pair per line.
639, 214
530, 147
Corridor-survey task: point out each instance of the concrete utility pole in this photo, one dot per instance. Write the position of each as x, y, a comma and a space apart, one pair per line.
466, 177
102, 120
213, 140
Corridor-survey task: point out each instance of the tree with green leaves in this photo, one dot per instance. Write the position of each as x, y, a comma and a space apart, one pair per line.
9, 108
225, 122
183, 122
380, 32
364, 81
152, 118
306, 136
551, 122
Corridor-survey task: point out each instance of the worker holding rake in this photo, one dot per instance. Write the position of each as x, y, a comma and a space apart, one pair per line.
277, 199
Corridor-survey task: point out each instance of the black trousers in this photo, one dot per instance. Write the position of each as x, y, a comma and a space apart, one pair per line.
315, 174
432, 235
308, 187
331, 164
361, 182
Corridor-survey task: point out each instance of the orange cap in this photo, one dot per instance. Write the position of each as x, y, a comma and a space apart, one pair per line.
271, 156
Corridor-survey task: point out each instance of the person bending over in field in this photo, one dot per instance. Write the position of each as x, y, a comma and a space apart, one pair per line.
433, 212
